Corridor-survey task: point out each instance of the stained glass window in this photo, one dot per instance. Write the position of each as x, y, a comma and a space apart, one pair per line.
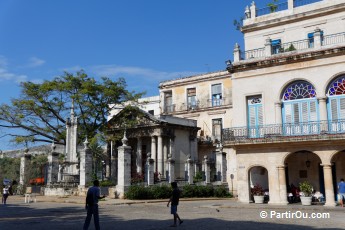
337, 87
299, 90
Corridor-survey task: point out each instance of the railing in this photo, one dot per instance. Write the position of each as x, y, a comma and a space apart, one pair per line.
281, 131
271, 9
297, 3
295, 45
169, 108
256, 53
333, 39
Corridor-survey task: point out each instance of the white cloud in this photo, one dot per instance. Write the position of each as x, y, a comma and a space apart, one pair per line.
5, 74
34, 62
132, 71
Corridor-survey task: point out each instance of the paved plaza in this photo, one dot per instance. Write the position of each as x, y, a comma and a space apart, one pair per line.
69, 213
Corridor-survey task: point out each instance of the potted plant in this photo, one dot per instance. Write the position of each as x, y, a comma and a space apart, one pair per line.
258, 193
273, 6
306, 190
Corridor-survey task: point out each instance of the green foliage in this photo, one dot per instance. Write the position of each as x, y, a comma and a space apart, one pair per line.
39, 114
106, 183
9, 168
273, 6
138, 192
306, 188
221, 191
161, 192
197, 177
291, 48
238, 23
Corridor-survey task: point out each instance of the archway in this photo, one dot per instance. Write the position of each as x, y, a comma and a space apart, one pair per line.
338, 170
258, 176
303, 166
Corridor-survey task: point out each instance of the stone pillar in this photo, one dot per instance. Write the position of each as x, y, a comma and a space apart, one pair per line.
139, 156
253, 10
171, 169
327, 171
165, 156
237, 53
220, 164
317, 38
207, 170
323, 113
113, 163
61, 168
190, 170
160, 160
150, 171
290, 4
53, 166
268, 47
24, 167
282, 184
172, 147
124, 167
278, 112
85, 165
154, 152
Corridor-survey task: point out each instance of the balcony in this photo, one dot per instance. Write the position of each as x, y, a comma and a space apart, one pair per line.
290, 132
282, 6
301, 45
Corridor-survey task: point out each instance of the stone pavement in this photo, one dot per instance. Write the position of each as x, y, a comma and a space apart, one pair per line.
198, 214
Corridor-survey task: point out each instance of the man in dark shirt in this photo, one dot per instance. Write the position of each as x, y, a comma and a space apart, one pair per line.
92, 197
174, 199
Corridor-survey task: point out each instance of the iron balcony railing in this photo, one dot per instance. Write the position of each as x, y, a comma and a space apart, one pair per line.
271, 8
199, 105
300, 45
280, 132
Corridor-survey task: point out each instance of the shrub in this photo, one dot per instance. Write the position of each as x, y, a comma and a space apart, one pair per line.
137, 192
221, 191
188, 191
197, 177
106, 183
161, 192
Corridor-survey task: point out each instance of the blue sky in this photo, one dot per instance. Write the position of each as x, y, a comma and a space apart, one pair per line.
145, 42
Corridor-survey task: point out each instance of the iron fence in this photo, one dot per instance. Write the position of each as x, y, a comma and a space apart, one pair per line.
333, 39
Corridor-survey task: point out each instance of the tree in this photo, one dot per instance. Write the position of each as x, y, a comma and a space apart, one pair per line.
41, 111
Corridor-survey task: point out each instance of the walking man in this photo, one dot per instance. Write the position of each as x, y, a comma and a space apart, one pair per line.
341, 191
92, 197
174, 202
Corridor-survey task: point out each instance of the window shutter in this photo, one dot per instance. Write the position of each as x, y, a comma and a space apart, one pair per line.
305, 114
216, 89
260, 115
252, 116
296, 113
313, 111
342, 108
334, 109
288, 115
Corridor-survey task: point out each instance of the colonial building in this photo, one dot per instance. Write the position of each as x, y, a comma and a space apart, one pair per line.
288, 90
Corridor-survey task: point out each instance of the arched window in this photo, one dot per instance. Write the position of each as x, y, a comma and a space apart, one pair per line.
336, 99
299, 107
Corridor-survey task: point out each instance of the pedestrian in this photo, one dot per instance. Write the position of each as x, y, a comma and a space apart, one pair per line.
341, 192
174, 199
92, 197
5, 194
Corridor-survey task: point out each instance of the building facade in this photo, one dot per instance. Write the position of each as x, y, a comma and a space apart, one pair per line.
289, 100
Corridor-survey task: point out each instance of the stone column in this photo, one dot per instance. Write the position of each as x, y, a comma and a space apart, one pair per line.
154, 152
237, 53
113, 163
323, 113
171, 169
268, 47
317, 38
165, 156
139, 156
290, 4
282, 184
190, 170
278, 112
172, 147
207, 170
85, 165
253, 10
160, 160
220, 164
150, 171
53, 166
124, 167
24, 167
327, 172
